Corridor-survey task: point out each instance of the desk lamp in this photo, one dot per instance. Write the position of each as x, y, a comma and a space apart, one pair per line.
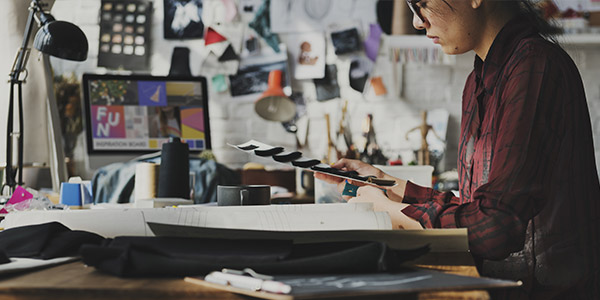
273, 104
56, 38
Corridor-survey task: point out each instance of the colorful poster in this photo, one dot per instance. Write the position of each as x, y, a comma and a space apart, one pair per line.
181, 93
152, 93
192, 123
108, 121
136, 122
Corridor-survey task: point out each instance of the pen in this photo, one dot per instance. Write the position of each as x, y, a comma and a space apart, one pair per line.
248, 283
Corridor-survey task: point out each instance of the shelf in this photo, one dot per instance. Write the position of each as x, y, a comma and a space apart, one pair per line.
579, 39
421, 41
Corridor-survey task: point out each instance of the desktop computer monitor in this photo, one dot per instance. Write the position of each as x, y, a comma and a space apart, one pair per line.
128, 116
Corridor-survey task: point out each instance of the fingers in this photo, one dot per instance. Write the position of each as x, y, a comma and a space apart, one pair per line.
367, 190
348, 164
328, 178
367, 193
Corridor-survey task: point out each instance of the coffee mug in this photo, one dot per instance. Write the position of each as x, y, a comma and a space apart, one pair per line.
231, 195
305, 182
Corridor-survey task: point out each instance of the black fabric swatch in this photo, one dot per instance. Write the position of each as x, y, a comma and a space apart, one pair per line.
4, 258
171, 256
45, 241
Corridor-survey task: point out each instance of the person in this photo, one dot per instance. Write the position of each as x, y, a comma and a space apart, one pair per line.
165, 122
528, 184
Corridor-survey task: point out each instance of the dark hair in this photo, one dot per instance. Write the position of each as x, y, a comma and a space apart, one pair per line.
544, 27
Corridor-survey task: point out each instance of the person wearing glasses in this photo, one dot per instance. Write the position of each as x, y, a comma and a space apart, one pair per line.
529, 191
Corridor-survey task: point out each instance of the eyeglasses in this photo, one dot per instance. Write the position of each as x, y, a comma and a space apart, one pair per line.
415, 8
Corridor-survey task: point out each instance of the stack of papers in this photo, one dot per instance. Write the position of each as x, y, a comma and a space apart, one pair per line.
113, 222
303, 223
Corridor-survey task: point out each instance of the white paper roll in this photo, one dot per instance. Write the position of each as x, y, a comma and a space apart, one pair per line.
146, 180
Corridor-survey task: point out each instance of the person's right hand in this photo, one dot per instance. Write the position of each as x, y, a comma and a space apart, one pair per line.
345, 164
395, 193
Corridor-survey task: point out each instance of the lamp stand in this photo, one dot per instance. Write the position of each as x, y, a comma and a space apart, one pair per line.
18, 68
57, 38
58, 167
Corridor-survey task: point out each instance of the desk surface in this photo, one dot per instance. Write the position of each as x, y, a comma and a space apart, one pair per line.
76, 281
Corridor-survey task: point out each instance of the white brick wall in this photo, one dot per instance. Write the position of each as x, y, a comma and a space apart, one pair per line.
425, 87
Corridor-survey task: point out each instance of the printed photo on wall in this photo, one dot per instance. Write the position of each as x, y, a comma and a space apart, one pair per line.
113, 92
327, 87
287, 16
360, 69
164, 121
252, 77
183, 19
308, 53
345, 41
125, 34
248, 8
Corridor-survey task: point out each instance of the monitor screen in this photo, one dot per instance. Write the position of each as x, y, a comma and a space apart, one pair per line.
138, 113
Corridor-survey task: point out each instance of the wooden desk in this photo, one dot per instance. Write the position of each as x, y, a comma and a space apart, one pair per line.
76, 281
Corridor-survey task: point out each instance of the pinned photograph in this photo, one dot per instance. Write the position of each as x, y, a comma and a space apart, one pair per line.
327, 87
345, 41
113, 92
164, 121
124, 40
308, 55
360, 69
252, 77
183, 19
292, 16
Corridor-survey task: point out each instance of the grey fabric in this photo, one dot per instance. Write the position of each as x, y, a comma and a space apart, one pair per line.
114, 183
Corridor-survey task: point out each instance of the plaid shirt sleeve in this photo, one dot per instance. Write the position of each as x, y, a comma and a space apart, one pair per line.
521, 139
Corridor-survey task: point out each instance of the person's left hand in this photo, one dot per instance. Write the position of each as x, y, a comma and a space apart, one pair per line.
381, 202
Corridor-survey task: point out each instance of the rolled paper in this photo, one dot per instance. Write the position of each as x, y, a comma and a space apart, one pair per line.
146, 180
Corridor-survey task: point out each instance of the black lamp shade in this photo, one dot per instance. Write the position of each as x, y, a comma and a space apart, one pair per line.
63, 40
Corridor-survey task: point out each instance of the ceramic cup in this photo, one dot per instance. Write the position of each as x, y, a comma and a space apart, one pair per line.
231, 195
305, 182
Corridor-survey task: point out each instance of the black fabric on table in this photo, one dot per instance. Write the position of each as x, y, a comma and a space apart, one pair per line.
171, 256
44, 241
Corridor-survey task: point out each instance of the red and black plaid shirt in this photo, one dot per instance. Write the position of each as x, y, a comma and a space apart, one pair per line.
529, 191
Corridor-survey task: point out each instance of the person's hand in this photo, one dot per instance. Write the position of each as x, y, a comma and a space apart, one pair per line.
381, 202
345, 164
395, 193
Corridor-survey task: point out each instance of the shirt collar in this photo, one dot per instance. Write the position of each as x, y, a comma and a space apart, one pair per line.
502, 48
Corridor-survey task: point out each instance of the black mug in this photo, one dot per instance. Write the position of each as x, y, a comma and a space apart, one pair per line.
232, 195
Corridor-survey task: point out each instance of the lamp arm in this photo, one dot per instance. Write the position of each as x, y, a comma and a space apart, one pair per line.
23, 53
